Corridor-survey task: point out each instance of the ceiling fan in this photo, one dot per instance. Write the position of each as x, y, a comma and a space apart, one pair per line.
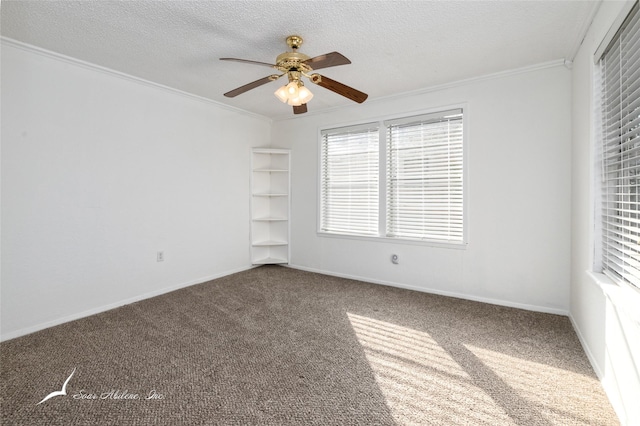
295, 66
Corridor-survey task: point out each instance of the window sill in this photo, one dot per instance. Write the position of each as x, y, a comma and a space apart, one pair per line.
427, 243
623, 297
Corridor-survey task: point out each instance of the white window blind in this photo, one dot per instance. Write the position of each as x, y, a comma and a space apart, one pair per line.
425, 177
349, 181
620, 108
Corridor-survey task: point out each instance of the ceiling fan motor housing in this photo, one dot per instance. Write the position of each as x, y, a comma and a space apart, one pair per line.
292, 61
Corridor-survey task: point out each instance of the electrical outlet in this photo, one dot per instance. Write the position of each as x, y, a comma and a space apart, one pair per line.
160, 256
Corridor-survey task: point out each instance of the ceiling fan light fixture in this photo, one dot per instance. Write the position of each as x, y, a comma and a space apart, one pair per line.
292, 89
282, 94
294, 93
304, 94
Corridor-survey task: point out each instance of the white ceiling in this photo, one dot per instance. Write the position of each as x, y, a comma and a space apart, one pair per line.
394, 46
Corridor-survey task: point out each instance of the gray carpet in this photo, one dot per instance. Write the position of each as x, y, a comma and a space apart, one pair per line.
278, 346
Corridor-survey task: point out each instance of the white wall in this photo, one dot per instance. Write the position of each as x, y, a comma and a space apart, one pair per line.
518, 191
610, 331
99, 172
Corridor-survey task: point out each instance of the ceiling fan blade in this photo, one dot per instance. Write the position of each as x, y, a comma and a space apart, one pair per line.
248, 62
240, 90
300, 109
327, 60
339, 88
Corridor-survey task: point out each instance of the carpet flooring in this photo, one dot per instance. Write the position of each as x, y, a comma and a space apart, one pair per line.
279, 346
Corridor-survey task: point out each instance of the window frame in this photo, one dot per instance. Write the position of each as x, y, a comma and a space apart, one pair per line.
383, 164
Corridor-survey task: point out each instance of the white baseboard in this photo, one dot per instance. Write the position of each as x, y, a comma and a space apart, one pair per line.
507, 303
587, 349
97, 310
609, 384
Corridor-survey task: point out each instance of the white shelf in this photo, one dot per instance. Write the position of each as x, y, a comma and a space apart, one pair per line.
271, 170
271, 195
271, 151
269, 243
269, 260
270, 205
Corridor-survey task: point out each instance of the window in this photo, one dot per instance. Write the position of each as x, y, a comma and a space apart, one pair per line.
424, 177
397, 179
350, 180
619, 76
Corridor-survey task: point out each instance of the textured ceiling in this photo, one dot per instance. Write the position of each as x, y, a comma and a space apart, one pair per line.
394, 46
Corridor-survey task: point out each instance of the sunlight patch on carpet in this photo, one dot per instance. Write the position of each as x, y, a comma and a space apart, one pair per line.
557, 392
413, 371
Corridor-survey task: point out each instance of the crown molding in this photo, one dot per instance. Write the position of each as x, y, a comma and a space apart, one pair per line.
5, 41
443, 86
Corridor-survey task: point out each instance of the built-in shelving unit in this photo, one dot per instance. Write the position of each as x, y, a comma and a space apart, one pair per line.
270, 205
